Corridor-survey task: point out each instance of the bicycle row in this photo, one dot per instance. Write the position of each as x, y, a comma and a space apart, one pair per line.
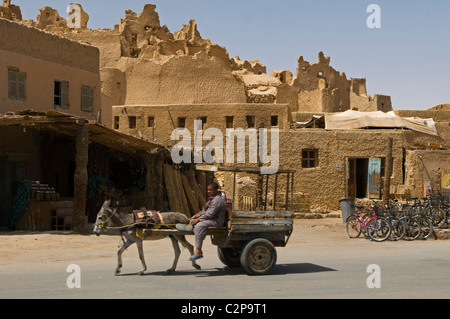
436, 207
398, 221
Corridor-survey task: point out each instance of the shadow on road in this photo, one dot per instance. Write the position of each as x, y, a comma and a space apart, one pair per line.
281, 269
299, 268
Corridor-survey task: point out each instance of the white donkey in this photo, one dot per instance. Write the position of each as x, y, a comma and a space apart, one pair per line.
121, 219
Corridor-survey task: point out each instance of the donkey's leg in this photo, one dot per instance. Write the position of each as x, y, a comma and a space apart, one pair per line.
141, 255
127, 244
177, 251
186, 244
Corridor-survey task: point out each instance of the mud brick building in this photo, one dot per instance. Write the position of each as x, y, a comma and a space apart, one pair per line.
149, 81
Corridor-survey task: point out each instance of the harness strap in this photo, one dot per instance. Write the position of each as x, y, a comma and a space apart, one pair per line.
161, 218
101, 225
138, 221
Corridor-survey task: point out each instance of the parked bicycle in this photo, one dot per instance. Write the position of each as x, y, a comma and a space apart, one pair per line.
379, 228
446, 208
398, 224
430, 207
440, 206
357, 222
420, 215
370, 223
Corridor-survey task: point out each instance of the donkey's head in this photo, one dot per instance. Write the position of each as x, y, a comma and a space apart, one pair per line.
103, 217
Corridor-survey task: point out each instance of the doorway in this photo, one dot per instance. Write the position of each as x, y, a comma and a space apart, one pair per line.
363, 178
357, 177
11, 173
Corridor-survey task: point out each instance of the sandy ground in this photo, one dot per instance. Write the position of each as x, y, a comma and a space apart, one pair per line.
25, 248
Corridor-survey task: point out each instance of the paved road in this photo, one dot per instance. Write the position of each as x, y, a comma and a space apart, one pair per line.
329, 266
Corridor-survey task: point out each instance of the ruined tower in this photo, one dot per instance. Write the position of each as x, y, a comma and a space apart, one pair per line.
10, 11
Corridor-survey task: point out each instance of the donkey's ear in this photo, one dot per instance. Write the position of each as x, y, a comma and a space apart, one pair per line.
107, 203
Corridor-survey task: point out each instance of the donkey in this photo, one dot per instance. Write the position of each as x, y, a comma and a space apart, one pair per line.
121, 219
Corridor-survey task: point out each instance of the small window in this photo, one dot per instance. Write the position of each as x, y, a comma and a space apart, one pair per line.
204, 120
310, 158
250, 121
150, 121
134, 38
116, 122
383, 166
16, 84
132, 121
87, 99
274, 121
229, 121
320, 73
61, 97
181, 122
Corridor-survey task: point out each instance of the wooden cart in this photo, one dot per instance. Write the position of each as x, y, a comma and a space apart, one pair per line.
250, 237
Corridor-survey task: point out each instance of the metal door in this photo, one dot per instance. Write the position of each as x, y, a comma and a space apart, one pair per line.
374, 178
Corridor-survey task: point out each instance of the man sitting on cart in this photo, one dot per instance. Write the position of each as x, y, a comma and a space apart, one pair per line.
213, 215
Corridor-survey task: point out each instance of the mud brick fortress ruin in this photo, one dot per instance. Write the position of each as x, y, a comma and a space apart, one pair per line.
147, 81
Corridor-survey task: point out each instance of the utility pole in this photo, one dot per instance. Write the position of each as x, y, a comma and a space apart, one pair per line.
388, 172
260, 178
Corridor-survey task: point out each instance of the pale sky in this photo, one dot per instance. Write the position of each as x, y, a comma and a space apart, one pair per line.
407, 58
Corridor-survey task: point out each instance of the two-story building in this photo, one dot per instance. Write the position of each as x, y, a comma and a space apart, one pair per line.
43, 71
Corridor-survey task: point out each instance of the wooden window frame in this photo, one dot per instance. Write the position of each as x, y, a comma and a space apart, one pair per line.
251, 121
229, 121
181, 122
132, 122
151, 121
310, 158
274, 121
17, 88
61, 95
87, 98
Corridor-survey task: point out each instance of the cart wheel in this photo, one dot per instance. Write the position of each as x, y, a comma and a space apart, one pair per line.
230, 257
259, 257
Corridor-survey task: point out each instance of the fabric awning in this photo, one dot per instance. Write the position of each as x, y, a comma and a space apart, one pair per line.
357, 120
315, 120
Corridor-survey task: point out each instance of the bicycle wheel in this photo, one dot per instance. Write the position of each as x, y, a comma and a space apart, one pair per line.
353, 226
412, 228
446, 218
365, 220
437, 216
426, 228
398, 229
379, 229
